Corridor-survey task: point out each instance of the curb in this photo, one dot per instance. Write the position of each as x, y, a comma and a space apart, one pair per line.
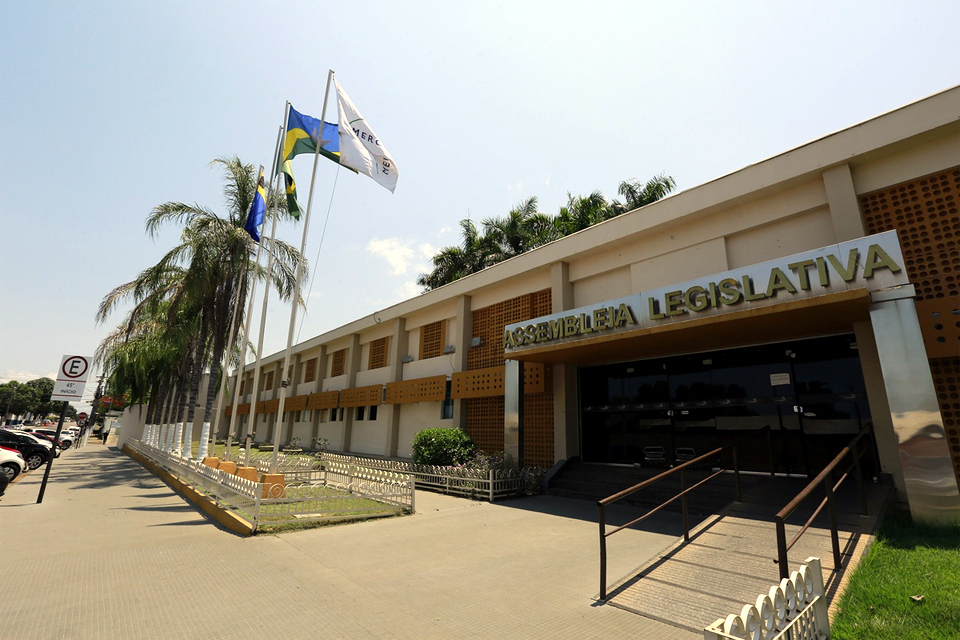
225, 518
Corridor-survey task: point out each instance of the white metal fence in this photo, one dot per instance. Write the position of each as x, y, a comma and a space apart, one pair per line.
336, 491
478, 484
795, 609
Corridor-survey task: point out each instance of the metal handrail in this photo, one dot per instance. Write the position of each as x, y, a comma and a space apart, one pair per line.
684, 490
830, 489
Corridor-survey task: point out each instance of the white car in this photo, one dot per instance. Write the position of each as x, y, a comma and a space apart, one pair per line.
12, 463
65, 437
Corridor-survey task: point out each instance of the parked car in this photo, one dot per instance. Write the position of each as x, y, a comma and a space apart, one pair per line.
684, 454
654, 456
12, 462
44, 440
34, 453
66, 440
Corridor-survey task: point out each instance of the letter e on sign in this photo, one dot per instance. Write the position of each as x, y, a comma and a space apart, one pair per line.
71, 378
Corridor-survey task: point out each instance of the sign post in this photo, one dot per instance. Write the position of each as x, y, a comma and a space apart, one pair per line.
71, 379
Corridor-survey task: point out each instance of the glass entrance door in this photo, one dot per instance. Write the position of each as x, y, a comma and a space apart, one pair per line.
809, 393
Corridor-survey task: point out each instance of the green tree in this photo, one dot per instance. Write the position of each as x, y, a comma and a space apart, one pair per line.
200, 281
18, 398
525, 228
452, 263
43, 387
522, 229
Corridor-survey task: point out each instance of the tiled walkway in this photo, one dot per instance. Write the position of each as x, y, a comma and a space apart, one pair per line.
729, 559
114, 553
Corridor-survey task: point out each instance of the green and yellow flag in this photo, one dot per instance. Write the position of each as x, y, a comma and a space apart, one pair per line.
293, 207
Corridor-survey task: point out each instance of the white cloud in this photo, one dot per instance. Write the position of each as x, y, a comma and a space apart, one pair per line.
395, 251
23, 376
404, 256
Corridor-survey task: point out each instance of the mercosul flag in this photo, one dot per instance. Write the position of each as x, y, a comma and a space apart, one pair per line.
360, 148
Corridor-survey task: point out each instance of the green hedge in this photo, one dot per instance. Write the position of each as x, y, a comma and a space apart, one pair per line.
443, 447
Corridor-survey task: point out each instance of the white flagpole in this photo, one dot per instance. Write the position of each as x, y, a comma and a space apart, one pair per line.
241, 339
266, 296
296, 295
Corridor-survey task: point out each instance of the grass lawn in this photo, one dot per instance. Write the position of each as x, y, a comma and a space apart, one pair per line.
907, 586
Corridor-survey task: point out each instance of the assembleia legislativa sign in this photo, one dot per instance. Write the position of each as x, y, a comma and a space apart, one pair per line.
873, 263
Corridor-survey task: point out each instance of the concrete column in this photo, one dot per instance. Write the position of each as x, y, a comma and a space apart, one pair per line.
317, 387
887, 444
462, 342
844, 206
513, 413
566, 418
924, 457
353, 366
397, 349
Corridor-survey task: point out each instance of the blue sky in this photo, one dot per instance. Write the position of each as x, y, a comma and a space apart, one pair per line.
108, 109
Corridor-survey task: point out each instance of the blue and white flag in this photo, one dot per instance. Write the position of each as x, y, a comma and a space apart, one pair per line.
257, 209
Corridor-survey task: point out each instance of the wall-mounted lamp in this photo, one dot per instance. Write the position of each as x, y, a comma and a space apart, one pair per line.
449, 349
406, 359
476, 342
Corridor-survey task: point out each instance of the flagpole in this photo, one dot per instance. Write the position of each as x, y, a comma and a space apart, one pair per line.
296, 296
241, 340
225, 367
263, 312
242, 337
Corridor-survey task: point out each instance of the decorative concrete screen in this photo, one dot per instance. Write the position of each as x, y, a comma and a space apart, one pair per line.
324, 400
295, 403
432, 389
487, 383
361, 396
242, 409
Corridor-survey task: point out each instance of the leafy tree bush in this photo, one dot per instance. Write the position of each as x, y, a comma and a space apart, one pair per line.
442, 447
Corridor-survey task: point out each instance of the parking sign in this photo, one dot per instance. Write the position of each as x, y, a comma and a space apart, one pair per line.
71, 378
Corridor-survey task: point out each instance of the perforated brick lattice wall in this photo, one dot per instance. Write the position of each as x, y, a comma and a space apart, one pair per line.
339, 363
378, 354
485, 415
926, 214
946, 379
310, 370
432, 339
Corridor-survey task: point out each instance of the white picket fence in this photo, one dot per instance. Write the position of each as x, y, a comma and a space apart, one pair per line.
795, 609
336, 491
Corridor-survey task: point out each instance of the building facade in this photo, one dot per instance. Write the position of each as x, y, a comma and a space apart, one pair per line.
790, 303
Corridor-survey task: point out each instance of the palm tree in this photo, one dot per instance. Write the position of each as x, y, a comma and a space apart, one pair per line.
522, 229
637, 196
582, 212
207, 276
452, 263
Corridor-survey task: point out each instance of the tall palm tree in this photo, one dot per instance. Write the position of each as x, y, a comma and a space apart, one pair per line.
638, 195
210, 272
581, 212
452, 263
522, 229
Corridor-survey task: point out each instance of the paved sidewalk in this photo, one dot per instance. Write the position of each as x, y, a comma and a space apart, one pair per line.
112, 552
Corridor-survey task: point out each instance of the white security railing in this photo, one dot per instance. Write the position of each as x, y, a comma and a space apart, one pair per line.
480, 484
337, 492
796, 609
